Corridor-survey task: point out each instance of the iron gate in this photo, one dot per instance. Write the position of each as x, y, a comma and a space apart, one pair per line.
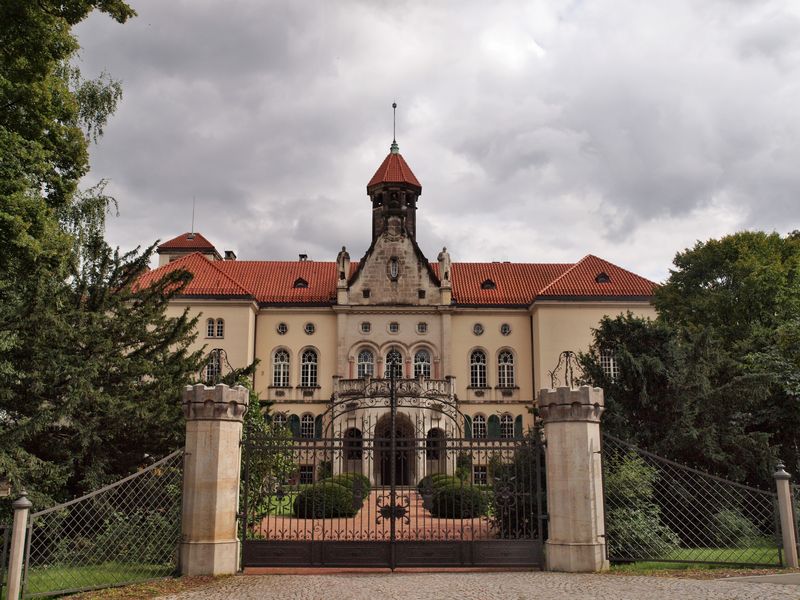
396, 489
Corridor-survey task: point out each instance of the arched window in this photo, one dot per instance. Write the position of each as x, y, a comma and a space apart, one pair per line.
505, 369
279, 420
434, 444
212, 369
210, 328
477, 368
307, 427
506, 427
366, 364
353, 443
308, 369
220, 328
394, 358
422, 363
478, 426
280, 369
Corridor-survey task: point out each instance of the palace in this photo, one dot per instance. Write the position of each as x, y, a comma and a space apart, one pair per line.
470, 342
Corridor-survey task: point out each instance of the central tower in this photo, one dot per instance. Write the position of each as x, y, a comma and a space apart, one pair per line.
394, 190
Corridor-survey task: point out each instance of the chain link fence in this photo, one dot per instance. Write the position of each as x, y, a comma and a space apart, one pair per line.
659, 510
5, 540
796, 513
126, 532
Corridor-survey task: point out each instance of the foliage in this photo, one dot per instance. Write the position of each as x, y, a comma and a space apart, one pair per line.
733, 529
514, 502
458, 501
633, 519
354, 482
464, 466
325, 500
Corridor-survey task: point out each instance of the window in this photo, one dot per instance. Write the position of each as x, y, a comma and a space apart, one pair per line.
602, 278
309, 328
300, 283
505, 329
210, 328
308, 369
479, 426
366, 364
422, 327
306, 474
480, 475
282, 328
220, 328
280, 369
506, 427
307, 427
353, 444
422, 363
212, 369
366, 327
434, 444
505, 369
394, 268
477, 329
365, 293
477, 369
421, 294
394, 327
279, 420
608, 363
394, 359
488, 284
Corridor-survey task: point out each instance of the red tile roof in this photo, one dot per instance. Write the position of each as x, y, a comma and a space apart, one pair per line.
515, 284
584, 278
185, 242
394, 169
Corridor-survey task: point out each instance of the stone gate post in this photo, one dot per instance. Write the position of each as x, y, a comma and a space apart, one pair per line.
576, 525
16, 556
214, 418
786, 513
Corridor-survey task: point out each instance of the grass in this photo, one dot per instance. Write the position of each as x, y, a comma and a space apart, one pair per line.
710, 558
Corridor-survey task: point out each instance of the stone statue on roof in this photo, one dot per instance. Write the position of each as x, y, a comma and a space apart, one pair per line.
444, 264
343, 263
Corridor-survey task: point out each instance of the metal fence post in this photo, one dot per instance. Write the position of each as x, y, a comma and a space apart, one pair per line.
786, 514
22, 507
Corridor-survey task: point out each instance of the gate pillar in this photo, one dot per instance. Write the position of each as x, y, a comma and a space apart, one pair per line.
576, 521
214, 418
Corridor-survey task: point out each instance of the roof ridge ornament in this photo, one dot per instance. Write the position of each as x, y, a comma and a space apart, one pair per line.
394, 148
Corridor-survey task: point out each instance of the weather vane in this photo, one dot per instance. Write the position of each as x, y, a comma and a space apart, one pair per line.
394, 122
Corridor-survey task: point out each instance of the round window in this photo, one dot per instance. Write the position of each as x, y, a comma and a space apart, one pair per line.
282, 328
366, 327
477, 329
505, 328
394, 327
309, 328
422, 327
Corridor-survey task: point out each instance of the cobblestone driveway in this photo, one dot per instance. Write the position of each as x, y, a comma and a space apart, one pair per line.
484, 586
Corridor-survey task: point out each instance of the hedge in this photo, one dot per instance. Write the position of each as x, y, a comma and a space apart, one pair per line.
457, 501
325, 500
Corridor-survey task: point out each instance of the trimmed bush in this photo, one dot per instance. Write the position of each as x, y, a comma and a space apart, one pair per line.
348, 480
732, 528
325, 500
441, 480
458, 502
426, 481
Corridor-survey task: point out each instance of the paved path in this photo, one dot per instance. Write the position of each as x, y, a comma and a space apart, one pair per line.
484, 586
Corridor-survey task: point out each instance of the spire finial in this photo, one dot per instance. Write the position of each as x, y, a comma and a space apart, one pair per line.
395, 149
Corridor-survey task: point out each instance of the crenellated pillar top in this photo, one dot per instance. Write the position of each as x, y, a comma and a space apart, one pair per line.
584, 404
217, 403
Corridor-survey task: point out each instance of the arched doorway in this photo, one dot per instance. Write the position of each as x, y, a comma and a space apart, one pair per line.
435, 452
403, 462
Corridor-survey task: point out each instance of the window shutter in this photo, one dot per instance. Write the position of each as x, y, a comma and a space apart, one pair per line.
294, 425
318, 427
518, 427
493, 428
467, 427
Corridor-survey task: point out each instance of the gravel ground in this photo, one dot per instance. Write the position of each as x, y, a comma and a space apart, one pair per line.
483, 586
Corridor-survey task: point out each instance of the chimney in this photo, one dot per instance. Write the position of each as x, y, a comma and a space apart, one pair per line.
303, 257
230, 255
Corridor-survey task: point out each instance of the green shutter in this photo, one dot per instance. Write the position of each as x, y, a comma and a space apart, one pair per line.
493, 426
318, 427
518, 427
467, 427
294, 425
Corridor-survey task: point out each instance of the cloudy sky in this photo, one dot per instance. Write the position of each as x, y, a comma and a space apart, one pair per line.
541, 131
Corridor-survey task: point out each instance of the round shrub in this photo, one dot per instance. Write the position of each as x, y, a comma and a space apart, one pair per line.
441, 480
324, 500
458, 502
348, 480
425, 482
732, 528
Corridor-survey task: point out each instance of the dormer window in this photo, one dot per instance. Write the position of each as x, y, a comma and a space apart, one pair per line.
300, 283
488, 284
602, 277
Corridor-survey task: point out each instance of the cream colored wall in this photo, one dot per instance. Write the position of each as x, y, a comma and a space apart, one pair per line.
239, 327
295, 341
560, 326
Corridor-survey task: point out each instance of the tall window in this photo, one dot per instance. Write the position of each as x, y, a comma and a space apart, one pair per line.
434, 444
608, 363
279, 420
220, 328
479, 426
477, 368
307, 426
308, 369
422, 363
507, 427
505, 369
394, 359
353, 443
212, 369
366, 364
210, 328
280, 369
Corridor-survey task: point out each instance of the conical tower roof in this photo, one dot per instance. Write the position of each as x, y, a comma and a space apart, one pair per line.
394, 169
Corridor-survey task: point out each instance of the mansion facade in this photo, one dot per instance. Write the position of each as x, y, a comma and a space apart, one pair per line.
470, 343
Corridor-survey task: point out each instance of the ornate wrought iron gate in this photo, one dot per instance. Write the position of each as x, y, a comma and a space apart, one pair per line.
410, 493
